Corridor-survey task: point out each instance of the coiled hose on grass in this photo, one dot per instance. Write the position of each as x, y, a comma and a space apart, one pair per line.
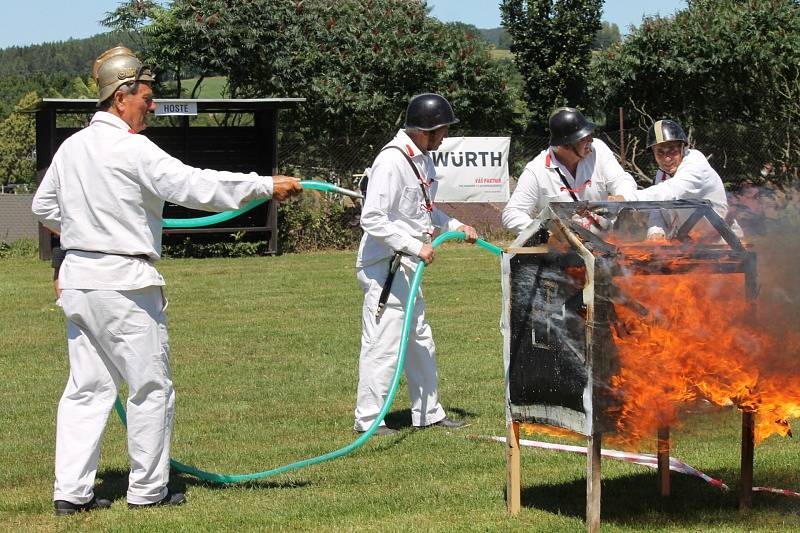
401, 355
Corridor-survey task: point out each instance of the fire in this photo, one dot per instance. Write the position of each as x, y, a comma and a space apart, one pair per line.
700, 340
551, 431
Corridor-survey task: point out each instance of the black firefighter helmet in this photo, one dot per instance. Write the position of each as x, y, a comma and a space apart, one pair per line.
428, 112
568, 126
665, 130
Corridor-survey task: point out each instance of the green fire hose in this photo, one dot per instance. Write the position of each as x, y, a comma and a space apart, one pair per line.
200, 222
401, 354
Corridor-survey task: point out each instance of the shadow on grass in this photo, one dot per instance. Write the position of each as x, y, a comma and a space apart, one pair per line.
185, 480
113, 483
402, 419
636, 499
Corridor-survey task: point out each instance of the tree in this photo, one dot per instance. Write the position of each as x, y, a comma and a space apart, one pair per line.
177, 50
552, 48
73, 57
727, 68
356, 62
498, 37
17, 142
607, 35
17, 130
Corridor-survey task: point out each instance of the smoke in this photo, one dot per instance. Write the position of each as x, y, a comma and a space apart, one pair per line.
778, 251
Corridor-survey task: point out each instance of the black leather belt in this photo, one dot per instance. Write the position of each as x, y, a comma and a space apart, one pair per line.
135, 256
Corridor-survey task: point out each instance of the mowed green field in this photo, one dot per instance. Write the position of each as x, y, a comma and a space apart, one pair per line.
211, 87
501, 54
264, 360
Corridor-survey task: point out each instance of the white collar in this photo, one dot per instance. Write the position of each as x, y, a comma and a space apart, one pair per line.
111, 119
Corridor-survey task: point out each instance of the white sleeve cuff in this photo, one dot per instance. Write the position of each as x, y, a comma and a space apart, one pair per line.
268, 186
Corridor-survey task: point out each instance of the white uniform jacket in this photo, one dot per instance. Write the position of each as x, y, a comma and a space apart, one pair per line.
694, 179
598, 176
105, 192
394, 217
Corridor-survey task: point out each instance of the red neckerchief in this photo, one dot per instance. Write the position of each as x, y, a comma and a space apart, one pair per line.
661, 176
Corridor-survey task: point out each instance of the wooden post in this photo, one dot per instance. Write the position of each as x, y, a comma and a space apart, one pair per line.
663, 460
513, 489
266, 124
748, 417
593, 448
748, 443
45, 150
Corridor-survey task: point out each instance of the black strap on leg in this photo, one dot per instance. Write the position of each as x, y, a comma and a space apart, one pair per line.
394, 264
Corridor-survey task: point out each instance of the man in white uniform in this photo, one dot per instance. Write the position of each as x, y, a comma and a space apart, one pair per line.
398, 219
104, 193
683, 173
575, 167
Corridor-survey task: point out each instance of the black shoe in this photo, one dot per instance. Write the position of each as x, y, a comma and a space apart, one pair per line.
65, 508
172, 498
381, 431
448, 423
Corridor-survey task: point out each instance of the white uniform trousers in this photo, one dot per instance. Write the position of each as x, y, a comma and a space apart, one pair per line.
115, 335
379, 344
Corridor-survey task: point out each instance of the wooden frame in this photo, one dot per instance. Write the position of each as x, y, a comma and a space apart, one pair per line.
557, 217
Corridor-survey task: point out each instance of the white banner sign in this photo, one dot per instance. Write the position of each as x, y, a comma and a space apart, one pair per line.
176, 107
472, 169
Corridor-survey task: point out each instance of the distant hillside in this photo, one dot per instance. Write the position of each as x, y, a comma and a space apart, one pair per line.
497, 36
56, 70
607, 35
71, 58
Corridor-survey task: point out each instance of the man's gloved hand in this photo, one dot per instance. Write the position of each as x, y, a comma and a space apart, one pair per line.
470, 235
284, 187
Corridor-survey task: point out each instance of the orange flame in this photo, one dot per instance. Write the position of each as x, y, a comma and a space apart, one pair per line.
700, 340
531, 429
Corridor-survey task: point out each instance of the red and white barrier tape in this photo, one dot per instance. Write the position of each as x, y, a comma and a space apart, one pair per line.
644, 459
783, 492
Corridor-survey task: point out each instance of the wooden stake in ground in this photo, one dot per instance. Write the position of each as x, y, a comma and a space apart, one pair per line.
748, 443
662, 448
594, 445
513, 489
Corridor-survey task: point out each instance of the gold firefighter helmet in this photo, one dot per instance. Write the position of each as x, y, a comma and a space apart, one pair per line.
118, 66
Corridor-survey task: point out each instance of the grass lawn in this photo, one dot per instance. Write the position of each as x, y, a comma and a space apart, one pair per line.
264, 359
501, 54
212, 87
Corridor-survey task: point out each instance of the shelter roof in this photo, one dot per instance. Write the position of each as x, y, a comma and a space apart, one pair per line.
216, 105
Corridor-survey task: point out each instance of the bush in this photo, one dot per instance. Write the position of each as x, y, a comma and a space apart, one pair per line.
27, 248
312, 222
238, 248
318, 222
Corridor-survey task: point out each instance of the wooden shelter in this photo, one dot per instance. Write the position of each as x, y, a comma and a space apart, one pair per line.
252, 148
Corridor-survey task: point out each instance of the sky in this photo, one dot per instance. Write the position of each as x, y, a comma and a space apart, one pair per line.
37, 21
